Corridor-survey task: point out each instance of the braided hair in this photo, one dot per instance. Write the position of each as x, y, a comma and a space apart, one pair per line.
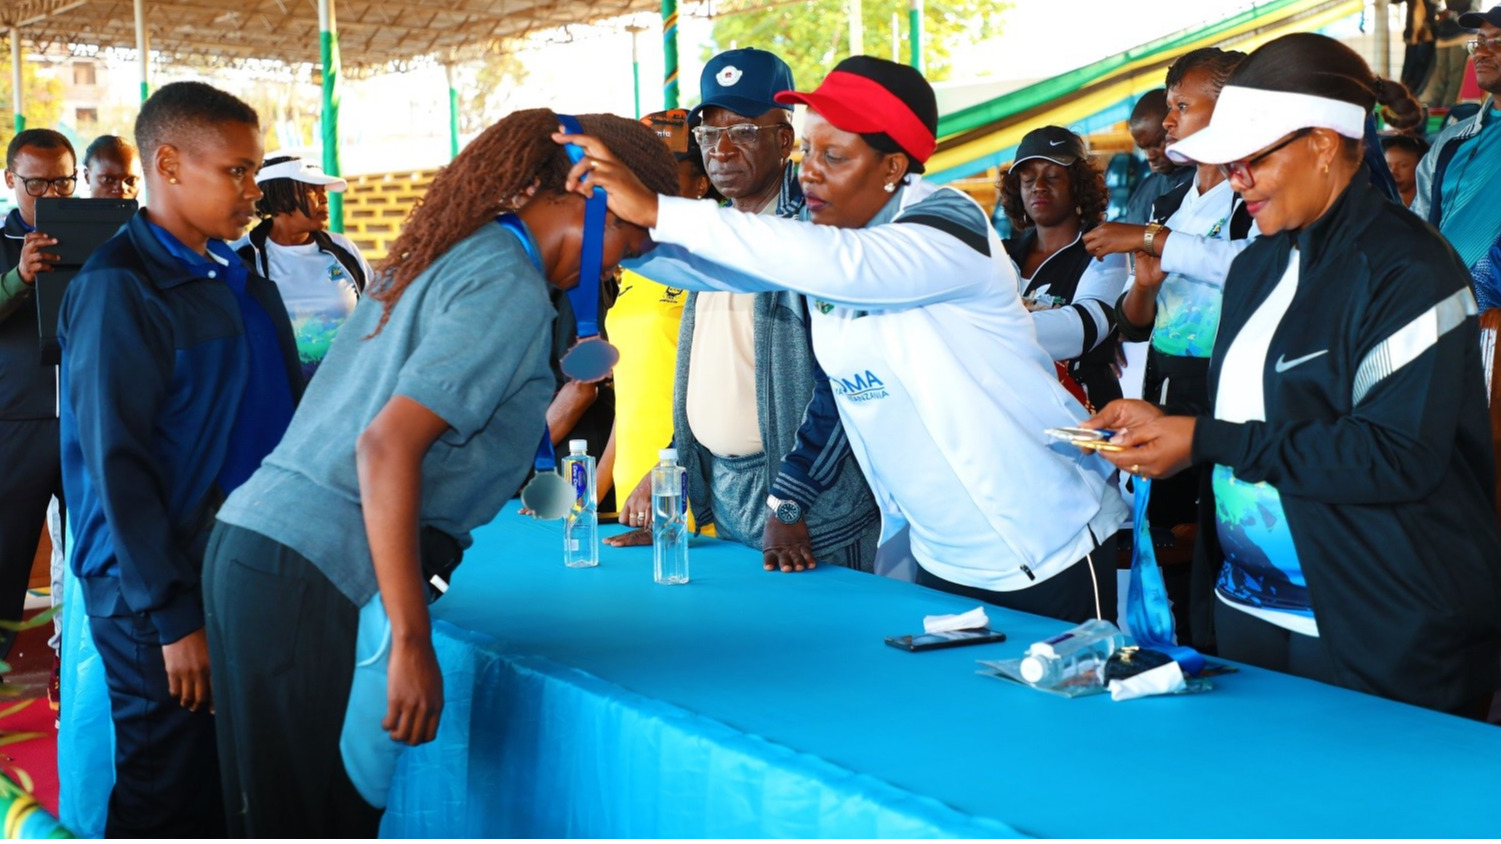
282, 196
498, 172
1219, 64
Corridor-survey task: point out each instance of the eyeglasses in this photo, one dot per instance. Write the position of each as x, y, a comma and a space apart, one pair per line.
1240, 171
62, 185
113, 182
1490, 45
741, 134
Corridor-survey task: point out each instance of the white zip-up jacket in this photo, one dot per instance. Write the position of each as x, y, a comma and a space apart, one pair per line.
941, 384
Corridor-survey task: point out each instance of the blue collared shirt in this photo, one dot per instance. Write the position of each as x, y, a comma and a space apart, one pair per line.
266, 407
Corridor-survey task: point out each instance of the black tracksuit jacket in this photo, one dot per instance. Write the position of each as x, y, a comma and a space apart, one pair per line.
1388, 488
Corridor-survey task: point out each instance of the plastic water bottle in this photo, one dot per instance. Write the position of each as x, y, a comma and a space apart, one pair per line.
581, 525
669, 525
1082, 650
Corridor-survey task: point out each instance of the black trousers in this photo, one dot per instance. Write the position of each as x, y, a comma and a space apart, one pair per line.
282, 640
30, 475
166, 766
1246, 638
1069, 595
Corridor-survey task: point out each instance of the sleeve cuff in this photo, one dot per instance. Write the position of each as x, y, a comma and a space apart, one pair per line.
177, 619
792, 485
674, 218
11, 285
1170, 255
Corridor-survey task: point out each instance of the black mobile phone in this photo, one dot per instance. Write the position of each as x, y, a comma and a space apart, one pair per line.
948, 639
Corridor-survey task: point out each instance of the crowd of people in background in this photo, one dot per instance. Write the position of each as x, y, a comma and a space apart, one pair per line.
265, 444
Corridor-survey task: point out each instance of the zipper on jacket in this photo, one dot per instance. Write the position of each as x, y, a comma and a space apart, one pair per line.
1026, 570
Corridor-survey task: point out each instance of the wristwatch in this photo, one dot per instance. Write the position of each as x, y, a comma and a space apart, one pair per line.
787, 512
1150, 235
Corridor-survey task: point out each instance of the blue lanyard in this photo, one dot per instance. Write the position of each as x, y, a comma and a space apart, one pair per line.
513, 224
585, 297
1149, 614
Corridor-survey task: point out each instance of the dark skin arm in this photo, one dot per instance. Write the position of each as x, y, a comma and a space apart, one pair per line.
1140, 305
33, 259
787, 547
388, 456
187, 665
568, 407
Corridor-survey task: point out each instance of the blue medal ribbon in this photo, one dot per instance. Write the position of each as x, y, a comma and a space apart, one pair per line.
585, 297
1149, 613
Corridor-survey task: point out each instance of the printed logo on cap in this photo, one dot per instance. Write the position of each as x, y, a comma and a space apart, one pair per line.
729, 76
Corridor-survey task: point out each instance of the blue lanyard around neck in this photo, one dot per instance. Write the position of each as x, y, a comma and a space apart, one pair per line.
513, 224
585, 297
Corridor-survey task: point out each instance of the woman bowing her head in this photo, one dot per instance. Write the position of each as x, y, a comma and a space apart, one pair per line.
1347, 507
934, 369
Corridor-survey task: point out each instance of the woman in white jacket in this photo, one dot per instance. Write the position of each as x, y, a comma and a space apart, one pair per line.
938, 377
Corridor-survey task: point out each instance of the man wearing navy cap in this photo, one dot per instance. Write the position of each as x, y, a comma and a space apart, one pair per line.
754, 475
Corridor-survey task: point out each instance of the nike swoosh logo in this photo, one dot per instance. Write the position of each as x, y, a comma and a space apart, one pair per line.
1055, 143
1283, 364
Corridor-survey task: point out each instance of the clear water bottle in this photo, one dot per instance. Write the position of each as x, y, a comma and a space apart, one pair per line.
1063, 658
581, 525
669, 525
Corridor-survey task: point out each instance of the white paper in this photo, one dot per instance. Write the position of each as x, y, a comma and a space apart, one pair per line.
972, 620
1162, 680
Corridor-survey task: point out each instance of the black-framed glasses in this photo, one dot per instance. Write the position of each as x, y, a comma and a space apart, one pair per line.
741, 134
1490, 45
62, 185
1240, 171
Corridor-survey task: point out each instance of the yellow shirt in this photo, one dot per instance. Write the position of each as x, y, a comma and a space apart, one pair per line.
643, 325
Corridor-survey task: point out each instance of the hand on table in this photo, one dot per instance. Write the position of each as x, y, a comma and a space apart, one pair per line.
187, 663
629, 539
636, 511
631, 201
414, 693
787, 547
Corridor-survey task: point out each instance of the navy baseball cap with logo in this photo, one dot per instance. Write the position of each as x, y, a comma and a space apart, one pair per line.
745, 81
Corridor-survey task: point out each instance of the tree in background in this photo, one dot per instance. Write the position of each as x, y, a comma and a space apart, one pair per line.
814, 35
485, 91
42, 98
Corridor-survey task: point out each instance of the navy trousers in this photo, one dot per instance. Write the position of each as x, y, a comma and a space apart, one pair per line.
166, 760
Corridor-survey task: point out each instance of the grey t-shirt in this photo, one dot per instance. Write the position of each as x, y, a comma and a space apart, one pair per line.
469, 340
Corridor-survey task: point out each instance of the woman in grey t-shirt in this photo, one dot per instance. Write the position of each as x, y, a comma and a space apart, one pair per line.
423, 420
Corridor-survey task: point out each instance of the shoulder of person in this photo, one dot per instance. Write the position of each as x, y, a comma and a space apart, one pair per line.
490, 262
952, 211
343, 241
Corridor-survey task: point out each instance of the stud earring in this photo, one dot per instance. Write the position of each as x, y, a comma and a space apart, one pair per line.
891, 187
1326, 168
172, 181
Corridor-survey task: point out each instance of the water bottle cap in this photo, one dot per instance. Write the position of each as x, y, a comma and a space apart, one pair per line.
578, 446
667, 454
1032, 669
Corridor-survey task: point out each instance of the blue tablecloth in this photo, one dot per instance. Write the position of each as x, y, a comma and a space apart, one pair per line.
592, 702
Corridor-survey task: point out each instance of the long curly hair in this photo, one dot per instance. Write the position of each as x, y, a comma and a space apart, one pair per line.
1086, 187
498, 172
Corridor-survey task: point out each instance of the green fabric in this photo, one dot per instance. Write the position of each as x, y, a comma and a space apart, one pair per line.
13, 292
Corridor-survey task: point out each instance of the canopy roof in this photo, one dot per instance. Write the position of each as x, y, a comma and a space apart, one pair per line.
372, 33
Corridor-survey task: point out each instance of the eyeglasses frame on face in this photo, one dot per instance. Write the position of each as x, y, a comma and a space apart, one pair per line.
708, 136
28, 181
1491, 45
1240, 171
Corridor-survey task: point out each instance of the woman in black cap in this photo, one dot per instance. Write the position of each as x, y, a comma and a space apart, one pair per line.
1053, 194
938, 379
1348, 496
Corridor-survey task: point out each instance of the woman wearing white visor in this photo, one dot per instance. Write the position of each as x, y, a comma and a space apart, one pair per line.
938, 378
320, 274
1348, 502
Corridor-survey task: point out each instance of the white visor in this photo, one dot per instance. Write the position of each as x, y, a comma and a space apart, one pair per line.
299, 170
1249, 119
